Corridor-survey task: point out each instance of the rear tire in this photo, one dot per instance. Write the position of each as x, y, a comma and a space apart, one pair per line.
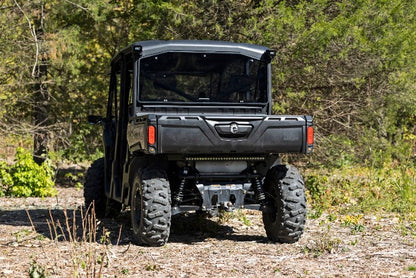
94, 192
285, 219
151, 208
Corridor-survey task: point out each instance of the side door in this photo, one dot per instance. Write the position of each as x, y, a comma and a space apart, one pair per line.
118, 111
110, 124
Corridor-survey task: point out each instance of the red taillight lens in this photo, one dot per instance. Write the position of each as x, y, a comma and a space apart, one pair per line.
309, 134
151, 135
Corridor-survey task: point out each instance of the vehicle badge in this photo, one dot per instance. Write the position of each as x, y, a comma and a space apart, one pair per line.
234, 128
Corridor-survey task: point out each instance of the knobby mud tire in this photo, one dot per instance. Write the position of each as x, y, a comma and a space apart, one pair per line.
151, 208
285, 219
94, 192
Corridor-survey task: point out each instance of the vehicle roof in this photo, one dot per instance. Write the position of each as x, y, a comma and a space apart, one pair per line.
154, 47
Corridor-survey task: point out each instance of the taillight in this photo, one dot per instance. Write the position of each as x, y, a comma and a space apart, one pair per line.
309, 134
151, 135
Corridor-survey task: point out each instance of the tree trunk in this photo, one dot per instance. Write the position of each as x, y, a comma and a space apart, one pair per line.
41, 96
40, 119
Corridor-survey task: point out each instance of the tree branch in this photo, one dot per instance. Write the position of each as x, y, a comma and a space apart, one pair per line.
78, 6
34, 35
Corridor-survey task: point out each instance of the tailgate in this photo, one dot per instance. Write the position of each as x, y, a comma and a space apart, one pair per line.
257, 134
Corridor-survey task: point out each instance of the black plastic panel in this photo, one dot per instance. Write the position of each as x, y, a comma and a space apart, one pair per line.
177, 135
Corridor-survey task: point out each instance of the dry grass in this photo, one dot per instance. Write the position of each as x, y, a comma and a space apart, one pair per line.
63, 242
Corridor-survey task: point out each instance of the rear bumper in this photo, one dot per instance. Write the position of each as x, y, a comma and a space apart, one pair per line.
193, 135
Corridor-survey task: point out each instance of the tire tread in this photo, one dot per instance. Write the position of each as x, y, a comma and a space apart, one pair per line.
154, 229
285, 189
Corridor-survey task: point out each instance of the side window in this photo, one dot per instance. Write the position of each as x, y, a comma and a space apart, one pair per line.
130, 86
116, 102
119, 82
130, 89
114, 91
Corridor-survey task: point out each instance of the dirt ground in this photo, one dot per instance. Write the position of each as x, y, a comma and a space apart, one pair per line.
231, 246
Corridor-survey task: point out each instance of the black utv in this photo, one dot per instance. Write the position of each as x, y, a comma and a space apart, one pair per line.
189, 128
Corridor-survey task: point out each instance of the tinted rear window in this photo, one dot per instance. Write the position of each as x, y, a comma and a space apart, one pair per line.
196, 77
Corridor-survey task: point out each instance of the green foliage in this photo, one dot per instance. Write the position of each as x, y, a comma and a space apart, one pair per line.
5, 178
125, 271
25, 178
37, 271
411, 268
242, 217
349, 64
360, 189
354, 222
152, 267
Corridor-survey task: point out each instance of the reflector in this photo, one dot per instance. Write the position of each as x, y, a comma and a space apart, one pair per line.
151, 135
310, 136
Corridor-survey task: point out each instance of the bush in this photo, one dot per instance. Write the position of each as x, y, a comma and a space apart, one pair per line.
5, 178
25, 178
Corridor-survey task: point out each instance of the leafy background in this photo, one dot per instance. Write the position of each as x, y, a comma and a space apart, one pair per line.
349, 64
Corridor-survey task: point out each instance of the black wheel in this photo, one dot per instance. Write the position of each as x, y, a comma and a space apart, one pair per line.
151, 208
284, 220
94, 191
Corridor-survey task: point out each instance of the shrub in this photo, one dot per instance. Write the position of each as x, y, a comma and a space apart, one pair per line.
25, 178
5, 178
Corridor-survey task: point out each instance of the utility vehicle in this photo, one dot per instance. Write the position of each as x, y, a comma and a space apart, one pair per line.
189, 128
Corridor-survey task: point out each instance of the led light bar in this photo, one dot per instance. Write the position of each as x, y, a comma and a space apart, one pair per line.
222, 158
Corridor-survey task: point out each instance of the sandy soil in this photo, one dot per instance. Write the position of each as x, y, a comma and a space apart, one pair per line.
231, 246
